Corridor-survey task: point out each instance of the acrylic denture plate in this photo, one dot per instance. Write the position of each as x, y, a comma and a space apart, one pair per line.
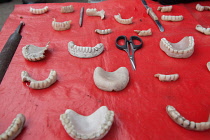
85, 52
39, 84
14, 129
111, 81
165, 8
94, 12
172, 18
67, 9
180, 120
167, 78
92, 127
61, 26
103, 32
34, 53
119, 19
39, 11
144, 32
182, 49
203, 30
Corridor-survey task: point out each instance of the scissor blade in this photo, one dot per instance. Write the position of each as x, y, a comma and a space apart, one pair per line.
132, 63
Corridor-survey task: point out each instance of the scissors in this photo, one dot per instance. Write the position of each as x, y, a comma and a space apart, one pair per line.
132, 48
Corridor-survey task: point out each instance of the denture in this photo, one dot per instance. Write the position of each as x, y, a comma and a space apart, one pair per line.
34, 53
85, 52
182, 49
180, 120
92, 127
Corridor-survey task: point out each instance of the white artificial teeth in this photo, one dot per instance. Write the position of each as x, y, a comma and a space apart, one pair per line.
92, 127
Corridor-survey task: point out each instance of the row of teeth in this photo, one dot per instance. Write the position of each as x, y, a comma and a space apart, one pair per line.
170, 47
69, 127
171, 77
14, 129
123, 21
103, 32
61, 26
39, 11
39, 84
67, 9
175, 115
94, 12
172, 18
87, 49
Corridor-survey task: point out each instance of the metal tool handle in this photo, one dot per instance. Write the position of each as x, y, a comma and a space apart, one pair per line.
8, 50
152, 14
81, 16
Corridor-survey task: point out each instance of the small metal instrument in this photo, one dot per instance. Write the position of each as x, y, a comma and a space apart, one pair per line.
81, 16
8, 50
132, 48
153, 15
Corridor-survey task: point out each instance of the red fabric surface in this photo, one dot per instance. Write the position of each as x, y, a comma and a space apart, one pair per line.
140, 108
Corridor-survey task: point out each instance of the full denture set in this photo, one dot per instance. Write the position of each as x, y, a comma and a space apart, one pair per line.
102, 119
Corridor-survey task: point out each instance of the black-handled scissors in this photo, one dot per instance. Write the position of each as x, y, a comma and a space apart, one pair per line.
133, 47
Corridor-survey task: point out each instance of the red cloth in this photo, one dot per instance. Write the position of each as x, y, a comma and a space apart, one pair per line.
140, 108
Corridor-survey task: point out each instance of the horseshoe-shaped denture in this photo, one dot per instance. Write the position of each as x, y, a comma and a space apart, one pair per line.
67, 9
34, 53
123, 21
202, 8
167, 78
39, 11
182, 49
103, 32
165, 8
144, 32
180, 120
92, 127
94, 12
61, 26
85, 52
111, 81
34, 84
203, 30
172, 18
14, 129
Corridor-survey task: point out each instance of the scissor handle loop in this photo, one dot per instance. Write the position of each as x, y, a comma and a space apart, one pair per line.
121, 47
136, 47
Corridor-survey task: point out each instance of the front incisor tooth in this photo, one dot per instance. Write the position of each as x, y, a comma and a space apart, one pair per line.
180, 51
